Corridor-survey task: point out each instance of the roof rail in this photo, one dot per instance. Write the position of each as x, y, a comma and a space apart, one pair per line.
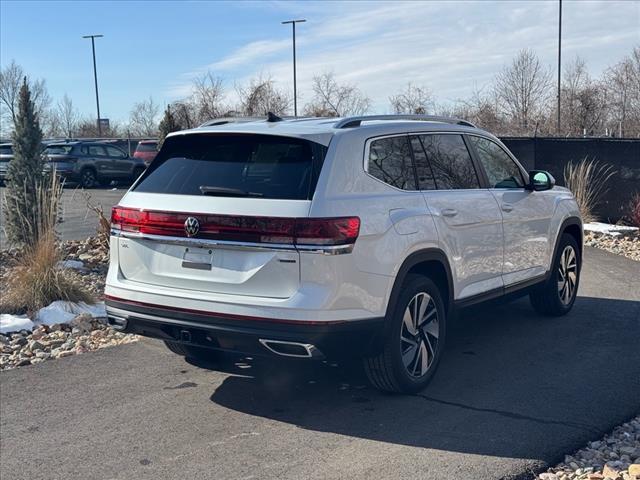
350, 122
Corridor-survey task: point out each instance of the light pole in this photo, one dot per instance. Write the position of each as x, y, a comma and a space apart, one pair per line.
295, 91
95, 76
559, 56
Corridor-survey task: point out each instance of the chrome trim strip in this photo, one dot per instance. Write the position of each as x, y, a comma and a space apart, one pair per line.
206, 243
310, 349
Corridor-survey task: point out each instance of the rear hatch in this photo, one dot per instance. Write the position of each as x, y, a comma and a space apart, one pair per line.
218, 213
6, 154
57, 154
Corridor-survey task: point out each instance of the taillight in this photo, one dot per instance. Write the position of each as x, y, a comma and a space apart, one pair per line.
327, 231
299, 231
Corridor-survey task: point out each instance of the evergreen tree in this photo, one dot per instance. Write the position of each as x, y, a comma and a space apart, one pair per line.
24, 174
168, 124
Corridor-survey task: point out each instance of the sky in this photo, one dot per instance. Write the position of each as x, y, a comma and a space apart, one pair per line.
156, 48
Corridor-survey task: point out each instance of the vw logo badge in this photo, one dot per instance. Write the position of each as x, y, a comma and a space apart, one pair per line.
191, 226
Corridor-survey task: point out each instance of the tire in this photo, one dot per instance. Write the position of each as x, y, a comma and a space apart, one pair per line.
190, 351
88, 178
409, 372
558, 294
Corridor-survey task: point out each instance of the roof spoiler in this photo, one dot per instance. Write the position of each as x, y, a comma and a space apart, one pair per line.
351, 122
225, 120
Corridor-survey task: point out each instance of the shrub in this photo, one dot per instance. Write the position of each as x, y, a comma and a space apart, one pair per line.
168, 124
24, 174
588, 181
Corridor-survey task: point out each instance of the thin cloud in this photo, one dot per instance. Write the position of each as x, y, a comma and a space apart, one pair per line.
450, 47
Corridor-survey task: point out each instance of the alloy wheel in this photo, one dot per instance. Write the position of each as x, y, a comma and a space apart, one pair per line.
419, 335
567, 275
88, 179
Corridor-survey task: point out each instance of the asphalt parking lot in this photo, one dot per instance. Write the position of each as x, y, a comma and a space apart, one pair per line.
77, 221
514, 393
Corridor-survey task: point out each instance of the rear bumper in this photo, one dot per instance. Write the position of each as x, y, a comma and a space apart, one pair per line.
248, 335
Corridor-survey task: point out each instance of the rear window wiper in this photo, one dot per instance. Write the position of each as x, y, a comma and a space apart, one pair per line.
231, 192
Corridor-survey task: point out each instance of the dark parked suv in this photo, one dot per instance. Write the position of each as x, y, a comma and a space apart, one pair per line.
92, 163
6, 155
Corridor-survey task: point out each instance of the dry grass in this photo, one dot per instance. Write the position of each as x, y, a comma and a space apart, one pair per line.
38, 281
104, 224
634, 210
44, 213
587, 180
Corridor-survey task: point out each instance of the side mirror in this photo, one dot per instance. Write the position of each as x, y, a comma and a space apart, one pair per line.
539, 180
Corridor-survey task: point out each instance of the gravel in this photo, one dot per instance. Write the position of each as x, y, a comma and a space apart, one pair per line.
82, 335
627, 245
87, 261
615, 457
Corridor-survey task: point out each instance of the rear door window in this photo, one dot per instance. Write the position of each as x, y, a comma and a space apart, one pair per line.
264, 166
450, 162
96, 151
426, 179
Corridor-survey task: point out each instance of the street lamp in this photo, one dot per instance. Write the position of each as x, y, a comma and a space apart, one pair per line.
95, 76
559, 57
295, 91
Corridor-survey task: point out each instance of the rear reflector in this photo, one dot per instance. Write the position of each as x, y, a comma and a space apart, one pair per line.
298, 231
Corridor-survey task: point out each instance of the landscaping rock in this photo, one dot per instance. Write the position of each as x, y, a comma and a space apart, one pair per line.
605, 459
63, 342
627, 245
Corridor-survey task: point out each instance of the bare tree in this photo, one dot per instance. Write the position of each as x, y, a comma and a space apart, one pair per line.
413, 99
261, 96
88, 128
522, 90
11, 78
622, 83
332, 99
143, 120
67, 116
208, 97
583, 105
185, 113
481, 108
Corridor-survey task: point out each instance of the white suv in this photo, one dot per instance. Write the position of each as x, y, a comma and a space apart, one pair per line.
317, 238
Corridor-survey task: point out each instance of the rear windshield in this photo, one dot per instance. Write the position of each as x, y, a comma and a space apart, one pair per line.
238, 165
58, 149
147, 147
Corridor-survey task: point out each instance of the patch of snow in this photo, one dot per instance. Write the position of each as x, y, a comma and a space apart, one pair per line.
608, 229
75, 264
63, 312
14, 323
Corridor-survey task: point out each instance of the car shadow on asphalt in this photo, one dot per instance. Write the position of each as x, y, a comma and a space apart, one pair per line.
511, 384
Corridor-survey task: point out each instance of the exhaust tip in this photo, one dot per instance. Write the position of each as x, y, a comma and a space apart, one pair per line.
291, 349
117, 323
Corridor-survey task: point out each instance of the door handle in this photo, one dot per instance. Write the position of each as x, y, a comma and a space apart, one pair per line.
449, 212
507, 207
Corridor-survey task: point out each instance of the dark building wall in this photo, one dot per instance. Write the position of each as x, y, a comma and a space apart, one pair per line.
552, 154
